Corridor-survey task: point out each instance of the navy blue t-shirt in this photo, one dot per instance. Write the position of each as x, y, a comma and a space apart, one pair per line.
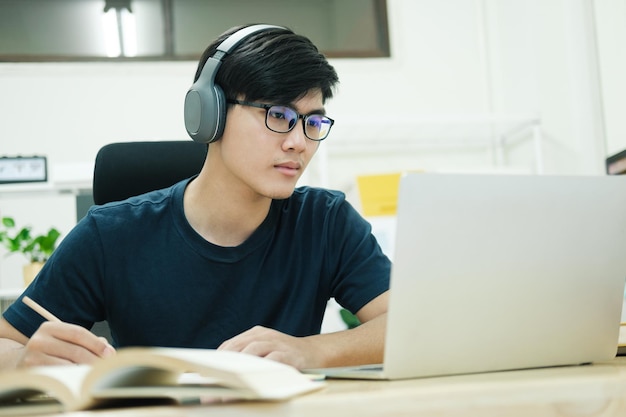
139, 265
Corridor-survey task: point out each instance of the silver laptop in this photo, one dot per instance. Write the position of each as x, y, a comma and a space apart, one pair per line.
500, 272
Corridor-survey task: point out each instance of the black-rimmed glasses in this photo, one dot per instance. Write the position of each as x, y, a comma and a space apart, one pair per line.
281, 119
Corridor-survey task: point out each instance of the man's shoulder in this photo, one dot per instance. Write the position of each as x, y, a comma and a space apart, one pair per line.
148, 207
314, 203
151, 200
315, 194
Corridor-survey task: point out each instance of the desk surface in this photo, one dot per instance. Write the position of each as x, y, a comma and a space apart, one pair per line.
591, 390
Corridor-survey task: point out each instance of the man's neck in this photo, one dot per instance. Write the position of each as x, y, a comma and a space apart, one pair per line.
222, 215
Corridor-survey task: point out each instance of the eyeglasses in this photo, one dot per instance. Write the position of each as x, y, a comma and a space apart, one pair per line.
282, 119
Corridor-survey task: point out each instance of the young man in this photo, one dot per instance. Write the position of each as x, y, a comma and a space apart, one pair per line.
233, 258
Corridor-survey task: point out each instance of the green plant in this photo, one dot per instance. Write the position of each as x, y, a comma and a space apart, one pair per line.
349, 319
36, 248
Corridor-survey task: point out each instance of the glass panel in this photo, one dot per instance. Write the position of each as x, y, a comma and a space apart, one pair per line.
58, 27
337, 27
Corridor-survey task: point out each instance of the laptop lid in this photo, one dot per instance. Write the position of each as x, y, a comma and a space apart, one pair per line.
499, 272
496, 272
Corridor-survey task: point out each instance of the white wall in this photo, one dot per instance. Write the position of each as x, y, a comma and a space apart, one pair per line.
611, 35
455, 64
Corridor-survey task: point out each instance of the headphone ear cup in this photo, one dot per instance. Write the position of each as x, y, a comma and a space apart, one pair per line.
205, 107
219, 112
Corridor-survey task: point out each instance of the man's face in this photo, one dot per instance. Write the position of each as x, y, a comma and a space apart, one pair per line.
261, 161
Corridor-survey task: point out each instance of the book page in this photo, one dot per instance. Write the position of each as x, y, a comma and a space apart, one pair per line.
45, 387
252, 376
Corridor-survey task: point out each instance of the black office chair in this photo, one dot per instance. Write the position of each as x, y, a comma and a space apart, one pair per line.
126, 169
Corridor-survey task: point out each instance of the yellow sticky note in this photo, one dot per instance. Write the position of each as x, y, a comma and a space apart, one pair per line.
379, 194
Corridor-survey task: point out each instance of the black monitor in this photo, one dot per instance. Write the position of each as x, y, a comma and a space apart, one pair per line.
616, 164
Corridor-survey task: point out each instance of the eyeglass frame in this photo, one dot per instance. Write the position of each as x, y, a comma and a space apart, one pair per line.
267, 108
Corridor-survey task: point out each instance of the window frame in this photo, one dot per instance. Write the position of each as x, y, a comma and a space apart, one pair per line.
380, 50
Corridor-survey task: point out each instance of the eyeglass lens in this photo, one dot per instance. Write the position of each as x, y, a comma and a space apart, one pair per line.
282, 119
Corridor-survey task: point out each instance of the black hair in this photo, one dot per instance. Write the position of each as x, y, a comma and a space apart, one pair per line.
275, 65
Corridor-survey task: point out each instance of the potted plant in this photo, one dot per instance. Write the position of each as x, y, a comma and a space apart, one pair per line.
37, 248
349, 319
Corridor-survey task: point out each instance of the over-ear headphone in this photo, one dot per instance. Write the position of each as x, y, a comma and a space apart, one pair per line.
205, 104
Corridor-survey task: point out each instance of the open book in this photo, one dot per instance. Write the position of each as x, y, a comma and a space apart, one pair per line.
141, 374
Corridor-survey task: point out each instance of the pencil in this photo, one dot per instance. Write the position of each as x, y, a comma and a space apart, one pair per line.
39, 309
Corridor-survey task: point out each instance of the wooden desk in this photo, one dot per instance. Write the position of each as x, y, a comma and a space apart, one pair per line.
593, 390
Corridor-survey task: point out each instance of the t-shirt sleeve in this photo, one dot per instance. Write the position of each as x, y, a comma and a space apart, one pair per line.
360, 268
68, 285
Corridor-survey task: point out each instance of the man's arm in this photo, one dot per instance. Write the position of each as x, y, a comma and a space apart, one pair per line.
361, 345
52, 344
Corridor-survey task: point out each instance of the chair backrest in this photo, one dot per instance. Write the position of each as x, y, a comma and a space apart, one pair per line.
126, 169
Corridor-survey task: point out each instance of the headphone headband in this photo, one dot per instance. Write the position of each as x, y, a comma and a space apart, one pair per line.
236, 38
205, 104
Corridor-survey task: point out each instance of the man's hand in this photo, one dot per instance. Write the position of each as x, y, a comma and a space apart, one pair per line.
361, 345
299, 352
57, 343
